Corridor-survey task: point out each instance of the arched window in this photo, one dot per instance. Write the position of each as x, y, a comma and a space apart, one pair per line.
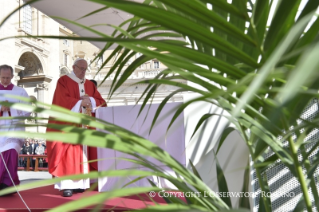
31, 63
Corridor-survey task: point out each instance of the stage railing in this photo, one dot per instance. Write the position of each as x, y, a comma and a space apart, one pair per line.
28, 162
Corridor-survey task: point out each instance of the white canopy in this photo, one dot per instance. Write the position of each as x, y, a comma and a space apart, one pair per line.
74, 9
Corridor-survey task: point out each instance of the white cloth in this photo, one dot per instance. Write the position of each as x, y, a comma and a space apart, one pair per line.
6, 142
172, 141
72, 184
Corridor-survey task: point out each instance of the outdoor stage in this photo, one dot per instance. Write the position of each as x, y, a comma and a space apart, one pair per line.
45, 198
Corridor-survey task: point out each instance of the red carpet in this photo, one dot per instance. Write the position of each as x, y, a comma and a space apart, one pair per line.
44, 198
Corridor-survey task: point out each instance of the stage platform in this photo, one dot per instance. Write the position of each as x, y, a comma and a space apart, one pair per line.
45, 198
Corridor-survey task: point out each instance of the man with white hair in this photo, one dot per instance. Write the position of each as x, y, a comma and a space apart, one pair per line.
77, 94
9, 146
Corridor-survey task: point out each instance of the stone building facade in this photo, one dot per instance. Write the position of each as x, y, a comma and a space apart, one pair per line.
35, 61
38, 63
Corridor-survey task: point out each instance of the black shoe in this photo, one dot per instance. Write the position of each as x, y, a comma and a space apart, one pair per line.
67, 193
78, 190
3, 186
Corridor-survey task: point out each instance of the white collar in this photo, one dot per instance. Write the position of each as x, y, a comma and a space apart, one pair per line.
5, 85
75, 78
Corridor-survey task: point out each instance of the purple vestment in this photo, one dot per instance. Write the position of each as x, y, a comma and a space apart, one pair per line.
9, 149
11, 158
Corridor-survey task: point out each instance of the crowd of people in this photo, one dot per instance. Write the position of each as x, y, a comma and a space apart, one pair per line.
33, 147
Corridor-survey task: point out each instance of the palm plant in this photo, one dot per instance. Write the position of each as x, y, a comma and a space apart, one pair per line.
255, 59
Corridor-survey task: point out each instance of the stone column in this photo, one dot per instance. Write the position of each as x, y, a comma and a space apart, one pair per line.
41, 88
40, 91
15, 79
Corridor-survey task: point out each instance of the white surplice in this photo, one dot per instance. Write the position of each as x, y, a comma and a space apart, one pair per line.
7, 142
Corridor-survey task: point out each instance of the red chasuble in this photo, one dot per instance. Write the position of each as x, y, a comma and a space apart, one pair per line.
66, 159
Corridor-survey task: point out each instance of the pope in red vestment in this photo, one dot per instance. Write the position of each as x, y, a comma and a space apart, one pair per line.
75, 93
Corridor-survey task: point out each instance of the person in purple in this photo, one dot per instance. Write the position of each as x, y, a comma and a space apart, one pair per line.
9, 146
